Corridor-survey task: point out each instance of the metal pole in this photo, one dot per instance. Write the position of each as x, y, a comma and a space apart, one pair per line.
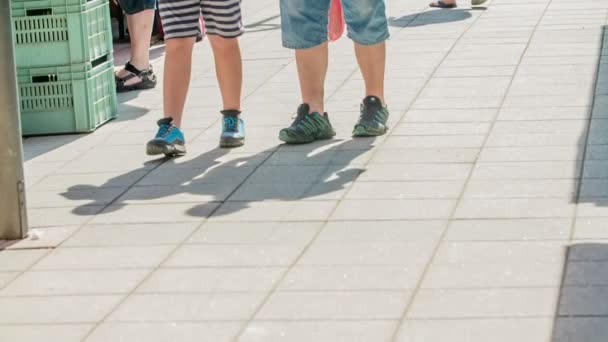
13, 216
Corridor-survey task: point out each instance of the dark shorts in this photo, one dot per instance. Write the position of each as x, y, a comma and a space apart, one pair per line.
136, 6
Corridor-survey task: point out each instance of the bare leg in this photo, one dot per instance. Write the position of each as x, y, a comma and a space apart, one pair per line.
140, 30
178, 68
372, 62
229, 69
312, 69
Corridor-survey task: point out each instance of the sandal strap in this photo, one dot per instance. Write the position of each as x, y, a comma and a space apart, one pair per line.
130, 68
123, 80
442, 4
134, 72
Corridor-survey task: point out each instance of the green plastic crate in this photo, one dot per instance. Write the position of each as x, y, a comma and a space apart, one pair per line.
70, 99
60, 32
55, 2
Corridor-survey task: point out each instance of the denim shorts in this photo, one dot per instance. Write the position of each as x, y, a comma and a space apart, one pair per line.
135, 6
304, 22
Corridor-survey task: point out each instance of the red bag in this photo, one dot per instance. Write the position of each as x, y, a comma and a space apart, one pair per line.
337, 23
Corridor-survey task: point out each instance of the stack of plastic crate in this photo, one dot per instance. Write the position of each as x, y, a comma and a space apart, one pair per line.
65, 68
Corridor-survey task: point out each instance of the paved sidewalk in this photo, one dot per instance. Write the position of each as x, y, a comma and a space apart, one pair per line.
481, 217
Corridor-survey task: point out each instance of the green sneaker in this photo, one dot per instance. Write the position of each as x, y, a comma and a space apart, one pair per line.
372, 121
307, 128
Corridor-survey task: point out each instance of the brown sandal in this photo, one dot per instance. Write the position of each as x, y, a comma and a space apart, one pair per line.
441, 4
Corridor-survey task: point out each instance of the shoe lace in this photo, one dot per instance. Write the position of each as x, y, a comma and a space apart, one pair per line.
164, 131
231, 124
367, 114
305, 123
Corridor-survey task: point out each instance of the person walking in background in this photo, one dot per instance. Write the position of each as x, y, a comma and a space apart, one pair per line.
137, 73
452, 3
305, 29
223, 25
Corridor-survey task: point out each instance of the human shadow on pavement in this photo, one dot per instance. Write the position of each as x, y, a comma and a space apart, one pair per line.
287, 173
430, 18
582, 312
593, 143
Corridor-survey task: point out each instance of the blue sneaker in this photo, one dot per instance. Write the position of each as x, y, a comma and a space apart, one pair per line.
169, 140
233, 129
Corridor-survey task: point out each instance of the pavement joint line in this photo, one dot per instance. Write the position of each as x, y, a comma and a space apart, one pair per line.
98, 323
535, 38
110, 312
169, 255
467, 181
305, 248
322, 228
19, 273
150, 170
190, 235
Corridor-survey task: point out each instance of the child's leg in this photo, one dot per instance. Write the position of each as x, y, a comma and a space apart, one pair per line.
181, 26
223, 25
178, 66
229, 70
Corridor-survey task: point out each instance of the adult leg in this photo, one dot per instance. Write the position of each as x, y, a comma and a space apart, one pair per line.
368, 28
372, 62
312, 69
304, 29
140, 21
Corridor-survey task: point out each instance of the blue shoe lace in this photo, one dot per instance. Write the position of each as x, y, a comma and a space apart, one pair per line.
231, 124
163, 131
